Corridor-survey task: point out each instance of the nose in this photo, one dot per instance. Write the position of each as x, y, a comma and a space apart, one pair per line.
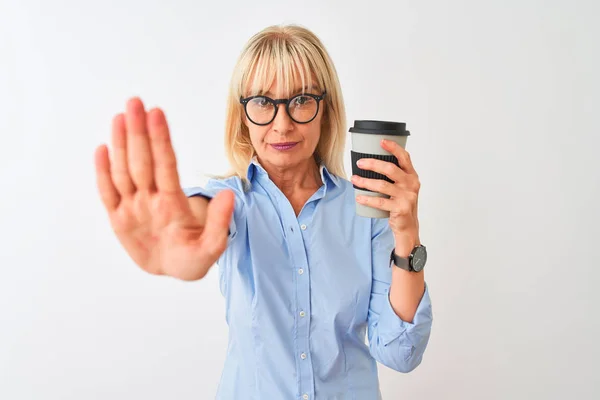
282, 122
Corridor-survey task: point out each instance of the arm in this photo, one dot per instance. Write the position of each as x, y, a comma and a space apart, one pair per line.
407, 287
396, 343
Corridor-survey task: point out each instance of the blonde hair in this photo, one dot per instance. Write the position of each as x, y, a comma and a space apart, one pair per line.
284, 52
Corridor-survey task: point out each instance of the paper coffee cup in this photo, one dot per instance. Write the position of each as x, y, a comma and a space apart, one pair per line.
366, 143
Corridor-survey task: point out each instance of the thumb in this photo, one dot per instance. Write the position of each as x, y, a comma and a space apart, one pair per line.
218, 217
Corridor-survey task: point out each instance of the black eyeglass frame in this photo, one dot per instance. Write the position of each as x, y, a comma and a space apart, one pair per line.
277, 102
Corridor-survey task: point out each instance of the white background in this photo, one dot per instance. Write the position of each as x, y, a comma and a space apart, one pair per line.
502, 101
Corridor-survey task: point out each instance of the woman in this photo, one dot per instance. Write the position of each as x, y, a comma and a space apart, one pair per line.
304, 277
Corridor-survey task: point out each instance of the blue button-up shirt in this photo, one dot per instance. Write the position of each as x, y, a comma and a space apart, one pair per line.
302, 292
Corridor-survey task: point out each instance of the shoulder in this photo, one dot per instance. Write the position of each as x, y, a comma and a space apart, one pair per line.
215, 185
234, 183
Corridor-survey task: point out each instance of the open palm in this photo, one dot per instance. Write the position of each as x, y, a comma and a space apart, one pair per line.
148, 210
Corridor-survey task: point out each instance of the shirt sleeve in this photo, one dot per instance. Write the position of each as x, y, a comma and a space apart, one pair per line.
393, 342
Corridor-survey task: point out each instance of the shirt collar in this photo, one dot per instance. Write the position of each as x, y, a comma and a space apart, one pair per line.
254, 168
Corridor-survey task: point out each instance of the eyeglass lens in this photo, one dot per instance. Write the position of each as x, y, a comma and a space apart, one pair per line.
301, 109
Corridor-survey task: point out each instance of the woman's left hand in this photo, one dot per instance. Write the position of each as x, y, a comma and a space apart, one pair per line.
404, 194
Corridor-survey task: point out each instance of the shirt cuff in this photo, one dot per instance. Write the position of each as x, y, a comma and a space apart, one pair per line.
392, 327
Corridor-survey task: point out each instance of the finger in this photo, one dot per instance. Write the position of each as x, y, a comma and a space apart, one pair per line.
393, 205
377, 185
165, 162
139, 154
119, 168
401, 154
218, 217
108, 192
386, 168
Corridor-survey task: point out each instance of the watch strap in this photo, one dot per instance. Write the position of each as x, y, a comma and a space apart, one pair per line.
400, 262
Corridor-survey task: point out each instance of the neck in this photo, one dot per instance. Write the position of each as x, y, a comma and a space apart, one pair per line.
295, 178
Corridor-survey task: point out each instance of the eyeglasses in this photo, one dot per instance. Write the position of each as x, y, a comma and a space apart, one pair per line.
262, 110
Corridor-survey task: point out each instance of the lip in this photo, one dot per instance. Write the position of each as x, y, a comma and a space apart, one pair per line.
283, 144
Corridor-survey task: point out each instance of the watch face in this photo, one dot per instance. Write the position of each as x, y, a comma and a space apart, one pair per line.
419, 259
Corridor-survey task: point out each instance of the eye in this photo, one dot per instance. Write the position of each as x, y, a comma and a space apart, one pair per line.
302, 100
261, 102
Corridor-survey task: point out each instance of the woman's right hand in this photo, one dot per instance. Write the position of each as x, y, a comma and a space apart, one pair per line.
148, 210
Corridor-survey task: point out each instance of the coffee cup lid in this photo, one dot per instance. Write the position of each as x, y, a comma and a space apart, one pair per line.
380, 127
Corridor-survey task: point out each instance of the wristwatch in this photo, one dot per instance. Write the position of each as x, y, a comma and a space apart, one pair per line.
415, 262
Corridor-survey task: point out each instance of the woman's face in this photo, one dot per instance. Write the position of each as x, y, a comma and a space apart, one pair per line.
283, 130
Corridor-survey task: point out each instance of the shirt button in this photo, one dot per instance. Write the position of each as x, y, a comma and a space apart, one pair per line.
300, 271
303, 227
305, 396
302, 313
303, 356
